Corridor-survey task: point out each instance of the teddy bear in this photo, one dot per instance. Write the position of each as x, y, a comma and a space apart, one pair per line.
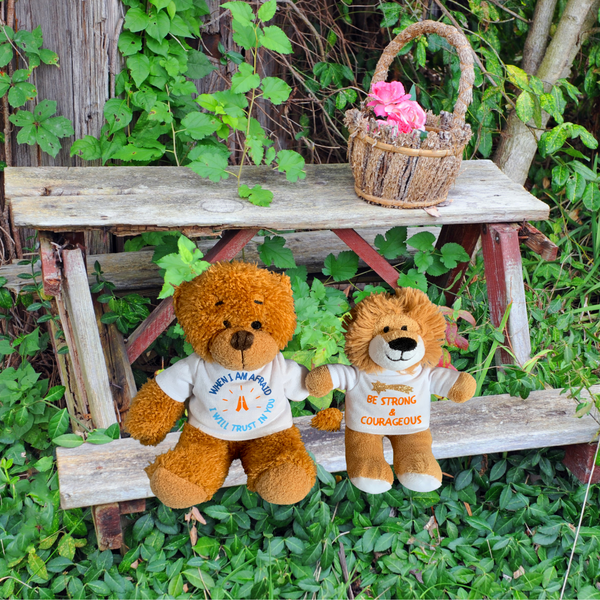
393, 342
237, 384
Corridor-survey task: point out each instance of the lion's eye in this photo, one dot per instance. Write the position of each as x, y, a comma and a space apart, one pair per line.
227, 324
386, 329
219, 303
404, 328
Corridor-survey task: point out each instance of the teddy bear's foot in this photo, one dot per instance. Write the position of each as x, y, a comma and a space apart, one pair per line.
174, 491
286, 483
419, 482
371, 486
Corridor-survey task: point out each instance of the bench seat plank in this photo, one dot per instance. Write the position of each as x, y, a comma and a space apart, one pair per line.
121, 198
91, 475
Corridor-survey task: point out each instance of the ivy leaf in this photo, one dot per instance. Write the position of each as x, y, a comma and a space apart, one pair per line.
271, 251
129, 43
6, 54
245, 79
158, 24
525, 106
198, 65
393, 244
160, 3
131, 152
275, 39
139, 67
117, 114
274, 89
413, 279
343, 267
422, 241
4, 83
452, 254
212, 165
136, 20
241, 12
199, 125
292, 164
423, 260
257, 195
267, 11
21, 90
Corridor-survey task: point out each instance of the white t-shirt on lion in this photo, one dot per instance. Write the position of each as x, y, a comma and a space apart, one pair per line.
390, 403
236, 405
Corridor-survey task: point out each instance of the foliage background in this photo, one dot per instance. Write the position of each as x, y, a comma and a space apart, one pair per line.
504, 524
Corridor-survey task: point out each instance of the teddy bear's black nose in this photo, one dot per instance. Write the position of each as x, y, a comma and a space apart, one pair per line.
403, 344
242, 340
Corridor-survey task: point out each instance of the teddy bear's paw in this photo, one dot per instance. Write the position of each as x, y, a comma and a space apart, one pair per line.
174, 491
329, 419
371, 486
286, 483
419, 482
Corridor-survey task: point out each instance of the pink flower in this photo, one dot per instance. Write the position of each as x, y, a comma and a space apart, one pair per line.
407, 116
386, 96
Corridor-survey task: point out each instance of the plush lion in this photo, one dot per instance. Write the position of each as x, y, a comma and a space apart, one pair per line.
237, 318
393, 343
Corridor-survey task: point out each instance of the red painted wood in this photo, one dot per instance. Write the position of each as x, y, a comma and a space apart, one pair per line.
467, 236
51, 273
579, 459
504, 276
379, 264
229, 246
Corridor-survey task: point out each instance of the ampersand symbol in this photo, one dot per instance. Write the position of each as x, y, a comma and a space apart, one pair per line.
392, 412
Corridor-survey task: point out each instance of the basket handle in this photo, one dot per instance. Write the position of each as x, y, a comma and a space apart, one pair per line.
455, 37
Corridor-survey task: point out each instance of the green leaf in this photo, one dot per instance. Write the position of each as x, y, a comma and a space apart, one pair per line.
275, 39
423, 260
160, 3
136, 20
517, 77
548, 103
343, 267
391, 13
246, 37
212, 165
413, 279
129, 43
6, 54
48, 57
257, 195
22, 118
292, 164
58, 424
267, 11
98, 438
452, 254
68, 440
591, 197
87, 148
142, 527
158, 24
131, 152
199, 125
48, 141
117, 114
271, 251
525, 106
584, 171
422, 241
245, 79
139, 67
560, 174
37, 565
198, 65
554, 139
20, 93
585, 136
198, 578
295, 545
241, 12
274, 89
393, 244
4, 83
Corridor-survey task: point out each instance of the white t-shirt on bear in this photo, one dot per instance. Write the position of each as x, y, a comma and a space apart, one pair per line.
390, 403
236, 405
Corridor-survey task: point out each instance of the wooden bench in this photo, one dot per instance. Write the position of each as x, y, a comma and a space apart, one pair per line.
64, 202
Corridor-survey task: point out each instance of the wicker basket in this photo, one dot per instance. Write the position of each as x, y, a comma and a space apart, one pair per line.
401, 170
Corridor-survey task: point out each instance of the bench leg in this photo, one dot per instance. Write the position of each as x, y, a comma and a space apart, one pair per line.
108, 522
467, 236
579, 459
504, 276
228, 247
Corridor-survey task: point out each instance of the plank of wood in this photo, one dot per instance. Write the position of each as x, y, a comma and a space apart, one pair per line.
132, 271
504, 276
86, 338
535, 240
114, 473
108, 197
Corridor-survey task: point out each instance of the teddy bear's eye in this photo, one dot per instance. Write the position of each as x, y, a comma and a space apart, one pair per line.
404, 328
219, 303
386, 329
227, 324
257, 302
256, 325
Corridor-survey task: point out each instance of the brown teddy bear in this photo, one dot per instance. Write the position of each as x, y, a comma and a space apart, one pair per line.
237, 318
394, 342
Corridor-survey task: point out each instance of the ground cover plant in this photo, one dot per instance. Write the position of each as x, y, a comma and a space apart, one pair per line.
501, 526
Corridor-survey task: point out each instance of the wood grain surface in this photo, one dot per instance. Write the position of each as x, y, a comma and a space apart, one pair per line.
108, 198
114, 472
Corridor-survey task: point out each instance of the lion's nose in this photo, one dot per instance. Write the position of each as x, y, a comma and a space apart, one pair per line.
242, 340
403, 344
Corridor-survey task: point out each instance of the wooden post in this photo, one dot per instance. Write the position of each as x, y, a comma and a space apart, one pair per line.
579, 459
504, 276
379, 264
86, 351
228, 247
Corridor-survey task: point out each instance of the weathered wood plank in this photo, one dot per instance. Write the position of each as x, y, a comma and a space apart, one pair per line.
108, 197
133, 271
114, 472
